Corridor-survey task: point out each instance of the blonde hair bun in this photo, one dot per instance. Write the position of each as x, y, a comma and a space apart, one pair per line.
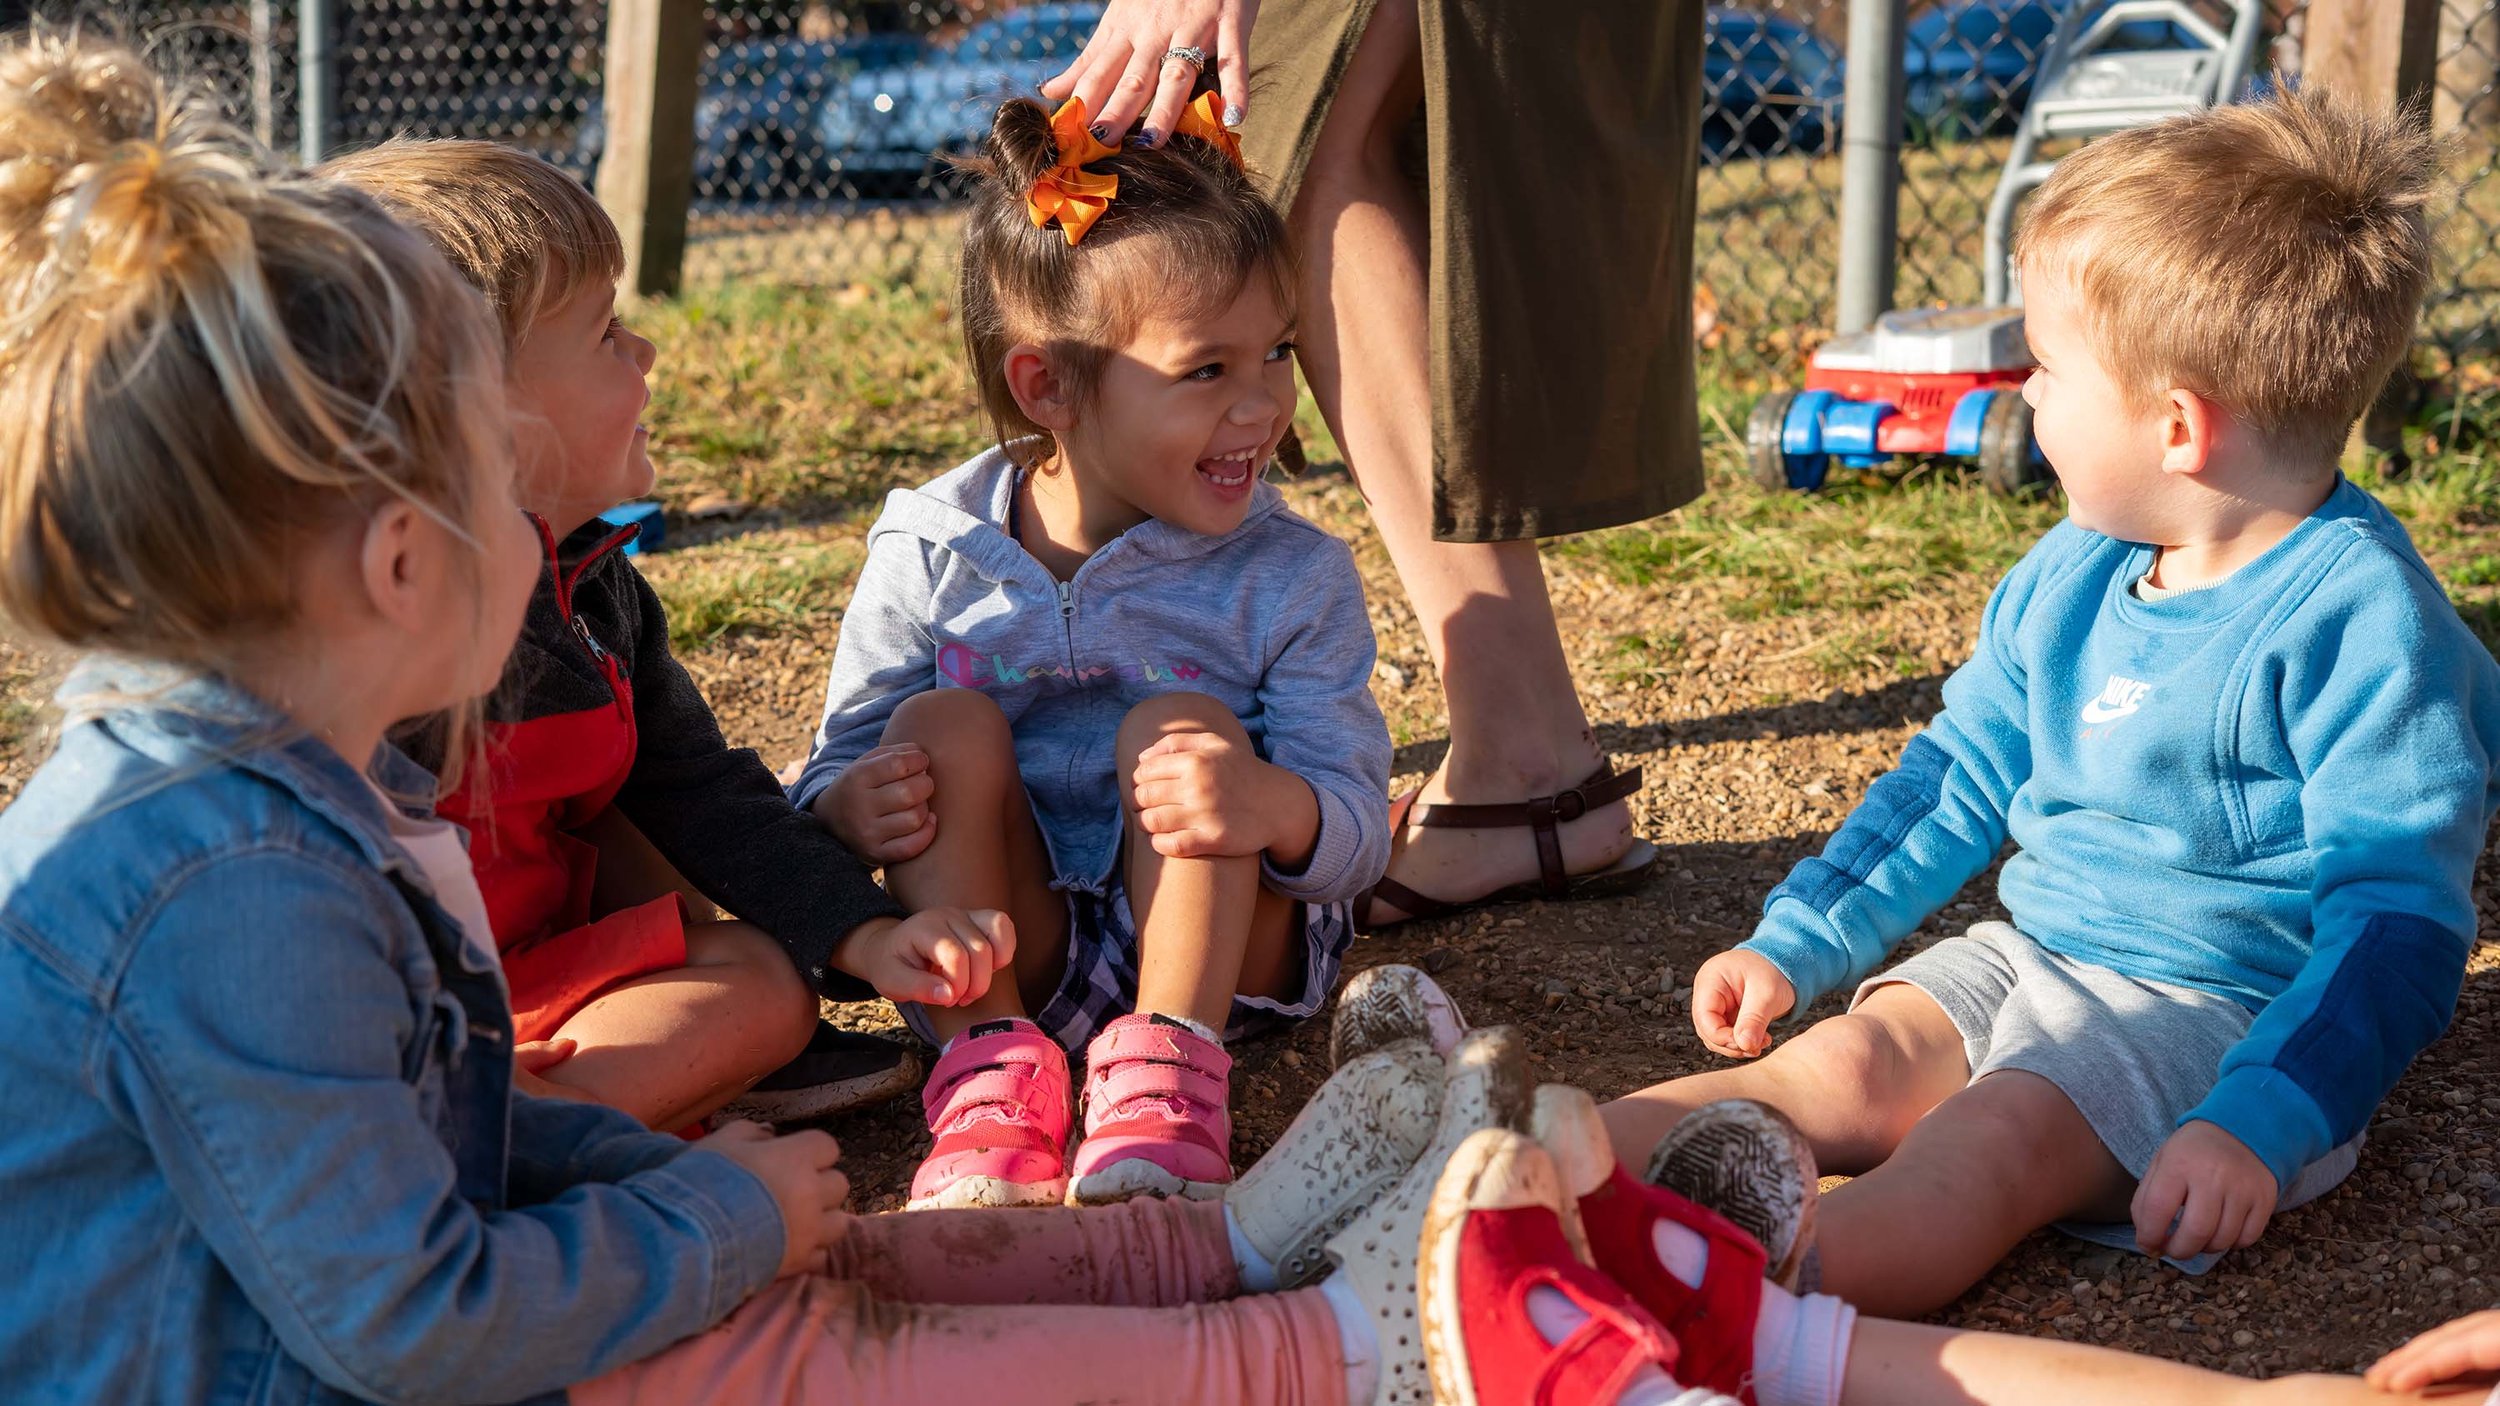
202, 360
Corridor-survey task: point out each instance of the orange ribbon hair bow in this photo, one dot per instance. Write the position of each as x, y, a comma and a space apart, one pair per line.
1067, 192
1199, 120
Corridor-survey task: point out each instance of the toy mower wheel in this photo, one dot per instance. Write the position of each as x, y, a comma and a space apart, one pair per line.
1775, 469
2006, 460
1762, 440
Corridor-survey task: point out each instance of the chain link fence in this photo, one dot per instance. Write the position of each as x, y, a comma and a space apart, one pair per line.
822, 128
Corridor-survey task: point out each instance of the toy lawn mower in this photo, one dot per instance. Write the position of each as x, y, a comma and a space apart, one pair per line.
1947, 382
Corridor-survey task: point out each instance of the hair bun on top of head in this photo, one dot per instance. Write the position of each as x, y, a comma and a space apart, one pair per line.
103, 181
1046, 158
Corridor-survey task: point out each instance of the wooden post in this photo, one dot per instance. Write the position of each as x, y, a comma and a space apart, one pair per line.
2380, 53
646, 168
2383, 54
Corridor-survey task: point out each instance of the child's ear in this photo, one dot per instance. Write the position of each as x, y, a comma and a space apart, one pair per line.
2190, 432
400, 581
1040, 391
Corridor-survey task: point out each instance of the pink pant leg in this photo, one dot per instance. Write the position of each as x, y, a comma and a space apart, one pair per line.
1146, 1253
813, 1339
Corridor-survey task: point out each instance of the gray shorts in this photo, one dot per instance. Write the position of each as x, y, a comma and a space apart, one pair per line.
2134, 1055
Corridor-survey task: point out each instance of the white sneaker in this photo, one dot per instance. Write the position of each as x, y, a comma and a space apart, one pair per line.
1487, 1086
1350, 1144
1396, 1002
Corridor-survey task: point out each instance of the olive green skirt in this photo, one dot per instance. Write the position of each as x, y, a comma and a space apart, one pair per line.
1556, 157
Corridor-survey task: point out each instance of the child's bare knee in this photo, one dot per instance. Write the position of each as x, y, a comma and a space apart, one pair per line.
1846, 1056
961, 720
1167, 713
774, 997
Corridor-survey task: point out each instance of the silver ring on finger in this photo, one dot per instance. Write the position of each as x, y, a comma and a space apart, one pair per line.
1189, 54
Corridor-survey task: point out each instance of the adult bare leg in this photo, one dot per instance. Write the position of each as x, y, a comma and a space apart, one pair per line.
1517, 729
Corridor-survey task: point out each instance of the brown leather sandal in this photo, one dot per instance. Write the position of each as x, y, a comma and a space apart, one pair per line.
1545, 815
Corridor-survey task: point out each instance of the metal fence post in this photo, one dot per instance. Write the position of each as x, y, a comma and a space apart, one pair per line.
1870, 169
314, 51
646, 171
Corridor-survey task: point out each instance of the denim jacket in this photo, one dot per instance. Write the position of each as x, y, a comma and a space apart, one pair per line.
261, 1139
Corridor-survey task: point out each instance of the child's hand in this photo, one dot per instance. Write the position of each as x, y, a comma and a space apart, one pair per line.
879, 805
1203, 795
937, 956
799, 1171
531, 1059
2468, 1346
1736, 996
2216, 1190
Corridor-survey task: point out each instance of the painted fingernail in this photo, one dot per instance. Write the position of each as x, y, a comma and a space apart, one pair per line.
1232, 114
1102, 132
1145, 137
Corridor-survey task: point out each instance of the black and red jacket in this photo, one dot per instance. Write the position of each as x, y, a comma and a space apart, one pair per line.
594, 711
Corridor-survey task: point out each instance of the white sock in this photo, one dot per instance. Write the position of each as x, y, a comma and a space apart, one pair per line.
1257, 1271
1356, 1338
1800, 1348
1555, 1317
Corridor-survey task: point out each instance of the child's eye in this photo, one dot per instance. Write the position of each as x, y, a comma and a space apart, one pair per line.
1212, 371
616, 325
1282, 351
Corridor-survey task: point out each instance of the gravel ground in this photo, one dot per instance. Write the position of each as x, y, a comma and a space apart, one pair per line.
1756, 735
1755, 750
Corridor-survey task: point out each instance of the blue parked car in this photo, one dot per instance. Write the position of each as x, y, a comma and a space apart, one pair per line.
756, 115
892, 128
1967, 67
1770, 87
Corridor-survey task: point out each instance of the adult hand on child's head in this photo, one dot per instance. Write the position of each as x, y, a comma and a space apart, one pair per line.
798, 1169
937, 956
879, 805
1127, 63
2204, 1192
1736, 996
2468, 1346
1201, 794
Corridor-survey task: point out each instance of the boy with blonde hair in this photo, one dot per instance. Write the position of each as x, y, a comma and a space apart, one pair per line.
2242, 742
613, 812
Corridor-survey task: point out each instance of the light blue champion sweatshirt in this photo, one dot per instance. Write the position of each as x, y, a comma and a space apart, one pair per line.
1268, 619
2273, 790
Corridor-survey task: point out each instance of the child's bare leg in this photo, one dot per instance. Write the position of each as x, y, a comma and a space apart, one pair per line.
673, 1046
1991, 1164
1912, 1364
632, 871
987, 852
1853, 1084
1206, 928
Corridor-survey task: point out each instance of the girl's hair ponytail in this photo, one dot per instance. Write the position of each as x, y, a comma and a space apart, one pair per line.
1185, 233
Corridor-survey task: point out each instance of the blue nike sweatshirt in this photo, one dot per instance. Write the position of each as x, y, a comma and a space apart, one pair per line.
2273, 789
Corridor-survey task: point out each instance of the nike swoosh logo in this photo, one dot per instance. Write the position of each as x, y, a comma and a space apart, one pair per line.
2097, 712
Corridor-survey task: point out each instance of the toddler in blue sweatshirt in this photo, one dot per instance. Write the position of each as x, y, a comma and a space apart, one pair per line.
2241, 741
